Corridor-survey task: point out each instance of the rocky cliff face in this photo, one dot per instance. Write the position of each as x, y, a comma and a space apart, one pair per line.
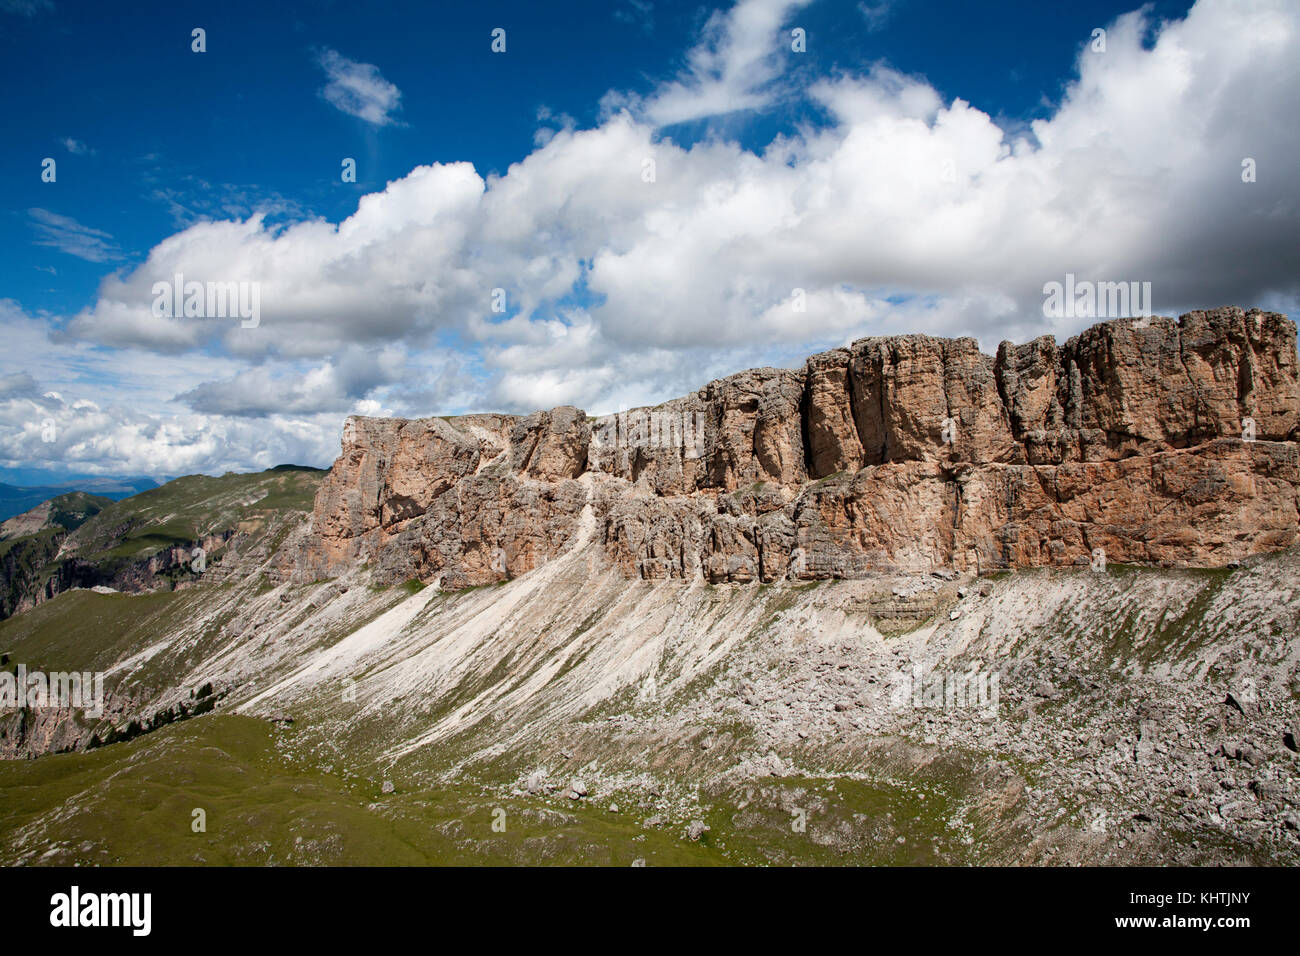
1158, 441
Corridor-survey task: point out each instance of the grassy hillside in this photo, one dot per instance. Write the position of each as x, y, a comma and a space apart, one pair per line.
133, 804
82, 630
67, 512
84, 540
15, 499
192, 507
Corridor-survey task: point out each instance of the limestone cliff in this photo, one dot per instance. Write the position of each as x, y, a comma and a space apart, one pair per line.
1159, 441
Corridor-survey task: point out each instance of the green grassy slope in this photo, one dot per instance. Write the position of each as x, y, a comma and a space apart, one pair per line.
91, 540
191, 507
133, 804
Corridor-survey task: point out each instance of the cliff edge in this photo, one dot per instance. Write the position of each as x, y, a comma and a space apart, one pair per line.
1152, 441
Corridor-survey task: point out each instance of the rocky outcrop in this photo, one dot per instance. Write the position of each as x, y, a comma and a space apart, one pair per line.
1128, 387
22, 562
918, 398
1160, 441
551, 446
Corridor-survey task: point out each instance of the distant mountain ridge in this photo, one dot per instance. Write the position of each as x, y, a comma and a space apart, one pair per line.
144, 541
68, 511
15, 499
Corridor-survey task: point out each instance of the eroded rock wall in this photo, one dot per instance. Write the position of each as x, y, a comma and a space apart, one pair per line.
904, 453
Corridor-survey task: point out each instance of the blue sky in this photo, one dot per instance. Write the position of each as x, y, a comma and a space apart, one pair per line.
166, 135
923, 166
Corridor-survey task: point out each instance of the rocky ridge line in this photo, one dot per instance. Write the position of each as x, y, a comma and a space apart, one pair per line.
896, 454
